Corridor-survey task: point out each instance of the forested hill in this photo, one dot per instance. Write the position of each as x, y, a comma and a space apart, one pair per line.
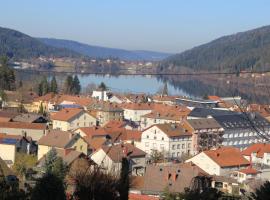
242, 51
18, 45
104, 52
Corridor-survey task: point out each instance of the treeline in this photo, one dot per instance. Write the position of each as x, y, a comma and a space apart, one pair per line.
16, 45
71, 86
243, 51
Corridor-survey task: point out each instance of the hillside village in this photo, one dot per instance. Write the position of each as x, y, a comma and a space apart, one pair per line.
169, 141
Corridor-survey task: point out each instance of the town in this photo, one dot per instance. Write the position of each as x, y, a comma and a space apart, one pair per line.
170, 143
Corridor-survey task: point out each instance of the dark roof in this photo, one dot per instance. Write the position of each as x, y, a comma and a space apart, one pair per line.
204, 123
205, 112
244, 121
28, 117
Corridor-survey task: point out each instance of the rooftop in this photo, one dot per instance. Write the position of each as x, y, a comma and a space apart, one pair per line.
259, 149
67, 114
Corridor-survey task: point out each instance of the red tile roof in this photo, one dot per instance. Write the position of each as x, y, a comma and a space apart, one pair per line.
249, 171
67, 114
23, 125
259, 149
227, 157
116, 152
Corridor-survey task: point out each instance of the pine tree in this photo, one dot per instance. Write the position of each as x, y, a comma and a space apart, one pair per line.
45, 85
124, 180
165, 90
102, 86
76, 86
68, 84
41, 109
54, 87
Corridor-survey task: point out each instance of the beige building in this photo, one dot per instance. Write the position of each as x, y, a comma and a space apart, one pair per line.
61, 140
221, 161
33, 130
106, 111
71, 119
110, 158
7, 153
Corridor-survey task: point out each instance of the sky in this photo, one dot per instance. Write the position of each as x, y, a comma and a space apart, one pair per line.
159, 25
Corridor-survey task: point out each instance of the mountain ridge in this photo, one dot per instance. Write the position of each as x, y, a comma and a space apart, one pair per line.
104, 52
240, 51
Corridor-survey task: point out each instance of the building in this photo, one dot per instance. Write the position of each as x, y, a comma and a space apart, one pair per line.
134, 111
101, 95
175, 177
247, 174
199, 113
105, 112
241, 130
61, 140
71, 119
258, 154
11, 144
206, 133
33, 130
220, 161
171, 139
164, 114
110, 158
201, 103
30, 118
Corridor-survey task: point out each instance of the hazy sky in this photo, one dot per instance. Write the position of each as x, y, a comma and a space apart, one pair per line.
160, 25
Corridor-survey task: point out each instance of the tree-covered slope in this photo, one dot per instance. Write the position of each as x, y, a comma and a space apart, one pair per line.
241, 51
104, 52
18, 45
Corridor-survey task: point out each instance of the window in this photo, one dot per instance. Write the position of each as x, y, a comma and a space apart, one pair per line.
189, 145
147, 136
173, 155
162, 147
81, 147
147, 144
162, 138
155, 137
178, 154
178, 146
183, 146
173, 147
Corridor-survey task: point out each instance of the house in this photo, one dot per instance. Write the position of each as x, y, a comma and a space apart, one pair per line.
200, 103
220, 161
73, 118
7, 116
33, 130
61, 140
171, 139
206, 133
6, 171
121, 124
116, 98
110, 158
106, 111
241, 130
246, 174
162, 114
43, 101
68, 156
175, 177
16, 99
11, 144
258, 154
102, 95
226, 185
30, 118
134, 111
169, 100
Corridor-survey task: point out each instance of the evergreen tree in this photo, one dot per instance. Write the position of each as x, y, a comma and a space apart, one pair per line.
102, 86
124, 180
41, 109
59, 168
263, 192
45, 85
54, 87
7, 75
49, 187
165, 90
68, 84
76, 86
49, 160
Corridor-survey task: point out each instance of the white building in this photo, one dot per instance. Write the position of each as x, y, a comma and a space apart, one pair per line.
221, 161
171, 139
258, 154
134, 111
102, 95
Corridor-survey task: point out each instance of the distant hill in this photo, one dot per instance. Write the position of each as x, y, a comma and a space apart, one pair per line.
104, 52
19, 45
240, 51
